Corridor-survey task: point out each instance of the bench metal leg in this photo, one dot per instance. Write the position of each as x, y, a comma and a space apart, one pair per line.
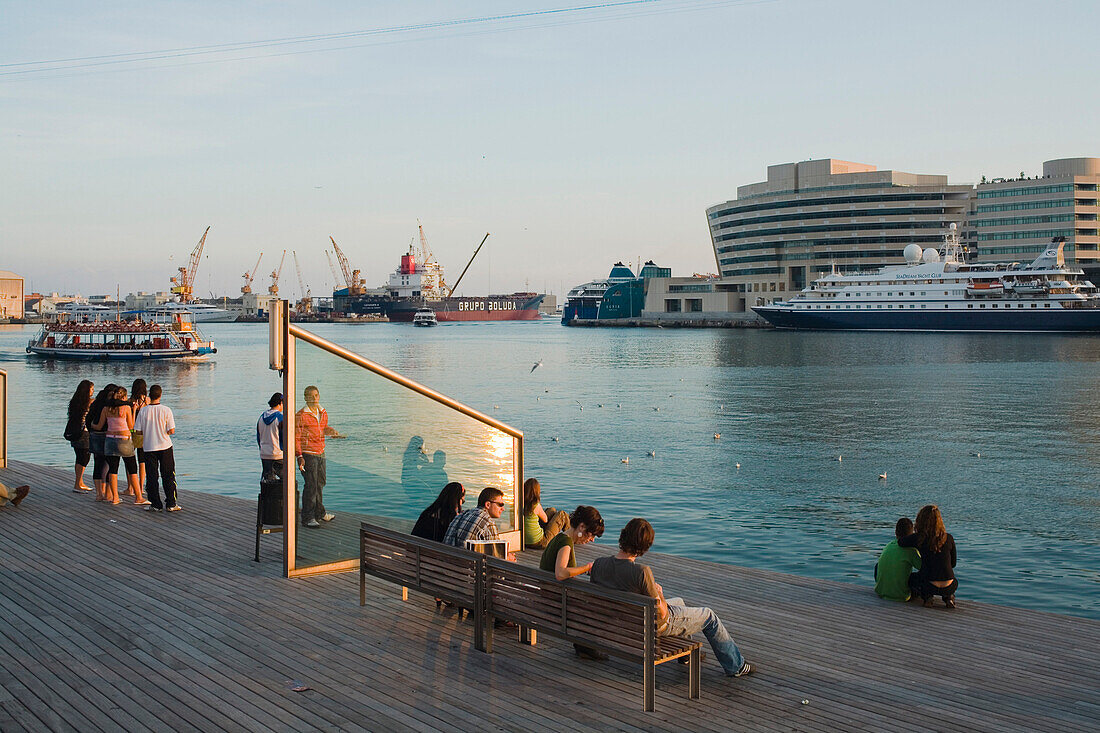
694, 672
483, 628
528, 635
648, 670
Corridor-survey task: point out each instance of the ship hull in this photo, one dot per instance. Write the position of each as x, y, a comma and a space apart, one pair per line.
97, 355
494, 308
1070, 320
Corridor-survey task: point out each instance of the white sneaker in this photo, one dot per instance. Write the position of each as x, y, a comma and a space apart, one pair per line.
175, 508
313, 523
329, 517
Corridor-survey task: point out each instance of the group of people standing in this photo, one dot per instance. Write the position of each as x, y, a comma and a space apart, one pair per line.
120, 429
919, 563
557, 534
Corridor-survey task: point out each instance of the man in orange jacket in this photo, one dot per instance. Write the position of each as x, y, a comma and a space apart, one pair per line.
310, 429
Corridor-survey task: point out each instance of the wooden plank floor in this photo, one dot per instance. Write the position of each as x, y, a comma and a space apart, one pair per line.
115, 619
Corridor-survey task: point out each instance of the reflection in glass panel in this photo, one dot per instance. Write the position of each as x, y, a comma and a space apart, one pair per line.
388, 454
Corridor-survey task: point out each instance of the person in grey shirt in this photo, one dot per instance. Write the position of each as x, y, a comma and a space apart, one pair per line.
673, 617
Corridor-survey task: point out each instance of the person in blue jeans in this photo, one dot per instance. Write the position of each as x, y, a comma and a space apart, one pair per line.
674, 618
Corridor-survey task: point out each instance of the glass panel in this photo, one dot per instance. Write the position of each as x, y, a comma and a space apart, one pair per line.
393, 451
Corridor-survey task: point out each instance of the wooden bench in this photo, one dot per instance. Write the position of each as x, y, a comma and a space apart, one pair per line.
441, 571
615, 622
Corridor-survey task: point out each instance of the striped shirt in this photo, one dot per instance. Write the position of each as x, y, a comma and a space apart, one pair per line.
472, 524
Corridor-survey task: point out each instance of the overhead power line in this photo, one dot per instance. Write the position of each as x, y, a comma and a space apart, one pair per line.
552, 17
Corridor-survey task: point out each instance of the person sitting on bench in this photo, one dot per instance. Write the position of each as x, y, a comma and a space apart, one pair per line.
621, 572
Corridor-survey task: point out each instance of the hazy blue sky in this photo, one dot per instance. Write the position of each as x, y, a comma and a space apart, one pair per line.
576, 140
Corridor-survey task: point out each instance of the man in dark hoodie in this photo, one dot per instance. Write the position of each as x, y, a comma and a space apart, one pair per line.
271, 438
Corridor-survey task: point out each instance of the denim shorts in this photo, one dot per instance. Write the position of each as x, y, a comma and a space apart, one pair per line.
118, 447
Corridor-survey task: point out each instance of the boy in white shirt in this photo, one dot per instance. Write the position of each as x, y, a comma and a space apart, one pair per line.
155, 422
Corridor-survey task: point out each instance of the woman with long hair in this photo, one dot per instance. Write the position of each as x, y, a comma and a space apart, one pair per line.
76, 432
96, 439
118, 420
936, 576
539, 525
139, 398
434, 520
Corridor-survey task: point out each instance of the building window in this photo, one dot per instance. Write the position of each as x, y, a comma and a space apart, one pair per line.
672, 305
694, 305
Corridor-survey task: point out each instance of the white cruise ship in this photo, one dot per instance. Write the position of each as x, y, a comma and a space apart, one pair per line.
199, 312
938, 291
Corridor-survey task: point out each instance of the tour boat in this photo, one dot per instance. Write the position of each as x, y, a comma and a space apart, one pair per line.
131, 340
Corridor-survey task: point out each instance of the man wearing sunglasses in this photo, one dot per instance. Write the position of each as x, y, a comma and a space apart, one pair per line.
477, 523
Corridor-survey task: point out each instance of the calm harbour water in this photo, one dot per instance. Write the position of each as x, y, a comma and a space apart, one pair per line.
920, 407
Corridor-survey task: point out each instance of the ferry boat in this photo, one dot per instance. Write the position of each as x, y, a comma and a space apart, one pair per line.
425, 317
620, 295
939, 291
129, 340
198, 312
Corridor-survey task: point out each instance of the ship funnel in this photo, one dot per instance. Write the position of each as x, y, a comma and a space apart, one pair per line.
1052, 257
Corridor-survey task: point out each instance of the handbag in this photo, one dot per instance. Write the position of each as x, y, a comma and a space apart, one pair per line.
82, 442
138, 438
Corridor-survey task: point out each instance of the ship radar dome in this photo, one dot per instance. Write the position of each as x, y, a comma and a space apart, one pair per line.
912, 253
930, 255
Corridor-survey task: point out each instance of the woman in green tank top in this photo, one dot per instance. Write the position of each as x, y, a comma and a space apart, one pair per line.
539, 526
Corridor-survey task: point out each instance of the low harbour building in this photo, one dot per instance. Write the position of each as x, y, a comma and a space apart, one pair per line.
11, 295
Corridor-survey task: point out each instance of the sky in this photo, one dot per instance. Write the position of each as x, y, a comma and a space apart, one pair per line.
575, 139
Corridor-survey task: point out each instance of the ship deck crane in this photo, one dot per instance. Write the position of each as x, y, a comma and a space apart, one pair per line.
250, 276
351, 277
273, 288
184, 282
450, 291
305, 303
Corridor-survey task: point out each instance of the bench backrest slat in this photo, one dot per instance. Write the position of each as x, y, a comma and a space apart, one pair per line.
421, 564
609, 619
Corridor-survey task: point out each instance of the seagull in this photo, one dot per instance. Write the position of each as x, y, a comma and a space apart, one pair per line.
839, 458
385, 449
882, 476
656, 409
976, 455
496, 407
738, 465
717, 436
555, 439
537, 399
536, 366
600, 405
625, 460
620, 405
652, 454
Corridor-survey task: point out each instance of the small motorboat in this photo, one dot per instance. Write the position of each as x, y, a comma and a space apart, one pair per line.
425, 317
985, 287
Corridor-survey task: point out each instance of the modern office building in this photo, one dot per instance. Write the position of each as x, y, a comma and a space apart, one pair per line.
780, 234
1015, 219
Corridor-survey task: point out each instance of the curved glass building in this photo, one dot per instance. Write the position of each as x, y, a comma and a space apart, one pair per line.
780, 234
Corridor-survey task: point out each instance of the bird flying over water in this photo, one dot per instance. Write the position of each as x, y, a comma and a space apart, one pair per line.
536, 366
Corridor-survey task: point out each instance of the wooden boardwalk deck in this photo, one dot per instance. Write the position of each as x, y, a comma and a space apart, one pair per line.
115, 619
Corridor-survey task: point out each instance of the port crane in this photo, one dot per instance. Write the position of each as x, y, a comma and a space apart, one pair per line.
183, 284
355, 283
249, 276
273, 288
305, 303
332, 269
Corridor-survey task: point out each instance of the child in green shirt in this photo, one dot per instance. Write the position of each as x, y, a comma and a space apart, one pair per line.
894, 565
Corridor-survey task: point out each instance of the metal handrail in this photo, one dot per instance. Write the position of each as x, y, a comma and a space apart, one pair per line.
3, 419
399, 379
